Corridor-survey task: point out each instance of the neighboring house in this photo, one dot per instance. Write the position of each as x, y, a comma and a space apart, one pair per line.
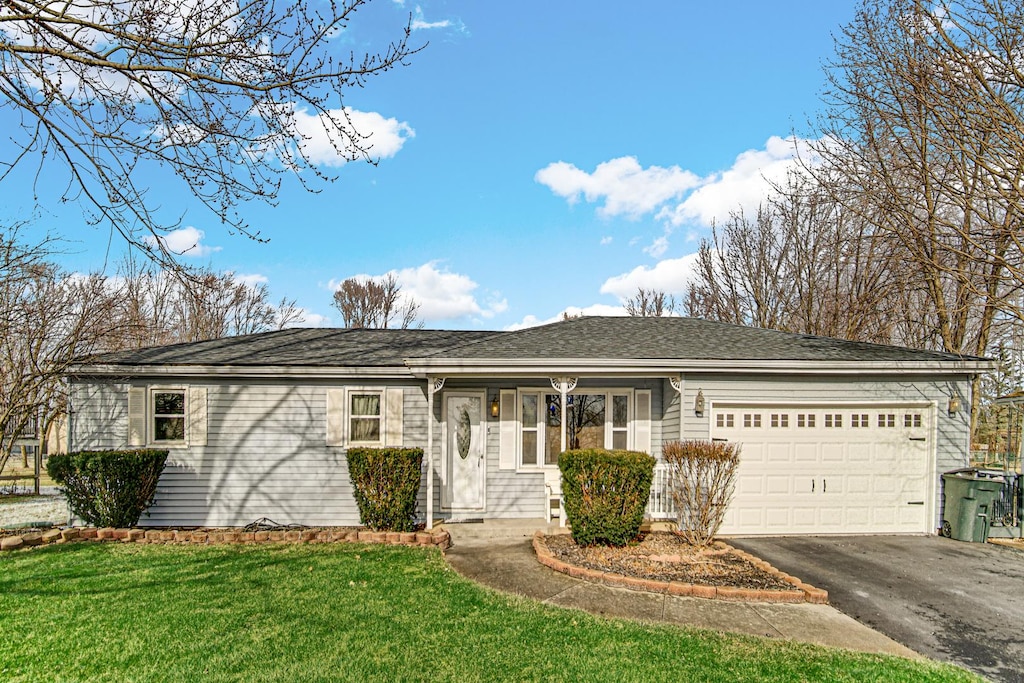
838, 436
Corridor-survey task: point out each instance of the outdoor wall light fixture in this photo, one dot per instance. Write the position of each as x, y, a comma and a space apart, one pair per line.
954, 404
495, 407
698, 403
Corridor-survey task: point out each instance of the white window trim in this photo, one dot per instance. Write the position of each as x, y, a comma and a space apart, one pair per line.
542, 420
151, 392
346, 413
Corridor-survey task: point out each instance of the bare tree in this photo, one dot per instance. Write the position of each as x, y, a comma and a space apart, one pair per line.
650, 303
48, 321
802, 264
158, 306
375, 303
225, 94
925, 125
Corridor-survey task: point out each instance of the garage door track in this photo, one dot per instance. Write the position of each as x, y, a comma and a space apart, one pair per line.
953, 601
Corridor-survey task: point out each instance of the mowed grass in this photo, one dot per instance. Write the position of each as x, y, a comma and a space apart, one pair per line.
125, 612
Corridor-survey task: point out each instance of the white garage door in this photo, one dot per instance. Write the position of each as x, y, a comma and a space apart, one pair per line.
828, 469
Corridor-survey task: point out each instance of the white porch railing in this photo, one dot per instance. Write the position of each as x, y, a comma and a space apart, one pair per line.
660, 504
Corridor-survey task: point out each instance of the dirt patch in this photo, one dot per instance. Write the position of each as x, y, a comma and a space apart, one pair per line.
1017, 543
664, 556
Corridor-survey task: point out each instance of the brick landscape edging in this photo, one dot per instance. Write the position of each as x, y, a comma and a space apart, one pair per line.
802, 592
215, 536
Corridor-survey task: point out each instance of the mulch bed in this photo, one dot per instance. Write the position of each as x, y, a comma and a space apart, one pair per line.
665, 556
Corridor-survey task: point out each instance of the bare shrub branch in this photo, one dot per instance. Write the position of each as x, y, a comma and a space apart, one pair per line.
702, 478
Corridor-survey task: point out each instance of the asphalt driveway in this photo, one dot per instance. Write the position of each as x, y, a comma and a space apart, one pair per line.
949, 600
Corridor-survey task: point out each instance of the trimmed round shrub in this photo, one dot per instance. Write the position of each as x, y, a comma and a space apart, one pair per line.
385, 482
605, 493
108, 488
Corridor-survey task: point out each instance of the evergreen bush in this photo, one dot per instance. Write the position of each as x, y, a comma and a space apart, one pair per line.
108, 488
385, 482
605, 493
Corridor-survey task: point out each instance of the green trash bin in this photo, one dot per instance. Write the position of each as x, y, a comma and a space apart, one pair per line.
969, 499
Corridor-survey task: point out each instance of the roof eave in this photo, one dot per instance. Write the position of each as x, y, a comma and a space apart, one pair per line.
242, 371
428, 367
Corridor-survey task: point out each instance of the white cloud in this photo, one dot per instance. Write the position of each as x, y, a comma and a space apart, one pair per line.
626, 187
250, 280
607, 239
185, 241
307, 318
419, 23
671, 276
441, 294
657, 247
326, 139
592, 310
744, 185
674, 195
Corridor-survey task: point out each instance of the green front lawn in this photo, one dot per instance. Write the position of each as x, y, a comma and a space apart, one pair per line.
124, 612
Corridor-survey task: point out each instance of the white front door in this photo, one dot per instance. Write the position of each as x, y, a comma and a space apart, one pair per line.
465, 427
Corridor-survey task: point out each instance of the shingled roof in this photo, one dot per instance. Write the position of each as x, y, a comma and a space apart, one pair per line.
675, 339
641, 340
321, 347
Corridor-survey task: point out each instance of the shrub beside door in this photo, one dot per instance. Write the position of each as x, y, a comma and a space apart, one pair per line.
605, 494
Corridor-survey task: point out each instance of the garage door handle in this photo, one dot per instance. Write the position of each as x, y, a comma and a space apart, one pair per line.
918, 438
824, 486
812, 486
915, 502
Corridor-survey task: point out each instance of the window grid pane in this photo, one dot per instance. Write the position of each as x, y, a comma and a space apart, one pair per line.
365, 405
365, 429
530, 447
529, 410
168, 416
620, 412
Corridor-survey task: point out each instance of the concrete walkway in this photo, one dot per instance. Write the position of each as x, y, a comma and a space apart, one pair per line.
504, 559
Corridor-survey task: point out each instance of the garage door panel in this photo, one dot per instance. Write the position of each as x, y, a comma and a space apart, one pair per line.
779, 518
829, 469
753, 452
805, 452
780, 452
831, 517
833, 452
883, 516
883, 485
805, 517
860, 452
751, 485
858, 517
858, 484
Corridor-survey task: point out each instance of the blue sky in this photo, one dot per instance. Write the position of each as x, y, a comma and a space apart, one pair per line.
535, 157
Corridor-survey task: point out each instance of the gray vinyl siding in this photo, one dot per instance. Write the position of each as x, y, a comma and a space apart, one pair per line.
266, 454
99, 416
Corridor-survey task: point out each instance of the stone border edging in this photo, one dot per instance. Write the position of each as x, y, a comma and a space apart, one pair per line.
802, 592
215, 536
